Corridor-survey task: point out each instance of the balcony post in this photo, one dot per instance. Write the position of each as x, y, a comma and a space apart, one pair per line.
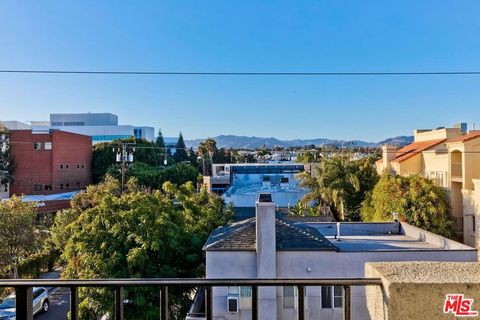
254, 303
347, 304
301, 302
119, 303
164, 303
209, 303
24, 303
74, 303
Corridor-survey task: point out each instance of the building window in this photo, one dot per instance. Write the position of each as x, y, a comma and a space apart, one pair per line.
66, 167
288, 297
78, 166
332, 297
74, 123
48, 187
439, 178
67, 185
61, 167
83, 166
246, 297
78, 184
474, 227
61, 186
37, 187
48, 146
37, 146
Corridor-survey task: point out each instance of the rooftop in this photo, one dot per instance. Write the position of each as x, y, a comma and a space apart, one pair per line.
289, 236
307, 235
467, 137
415, 148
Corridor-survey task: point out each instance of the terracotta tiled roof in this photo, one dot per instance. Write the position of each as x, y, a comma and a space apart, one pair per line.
466, 137
415, 148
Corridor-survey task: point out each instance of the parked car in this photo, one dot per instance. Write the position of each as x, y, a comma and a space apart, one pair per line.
40, 304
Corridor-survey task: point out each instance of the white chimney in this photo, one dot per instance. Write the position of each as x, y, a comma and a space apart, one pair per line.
388, 154
265, 232
266, 255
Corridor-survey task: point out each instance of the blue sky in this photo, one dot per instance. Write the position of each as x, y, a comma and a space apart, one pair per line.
261, 36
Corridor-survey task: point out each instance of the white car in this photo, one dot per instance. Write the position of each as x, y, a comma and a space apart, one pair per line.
40, 304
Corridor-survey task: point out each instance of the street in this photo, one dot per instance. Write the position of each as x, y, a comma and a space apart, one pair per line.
59, 305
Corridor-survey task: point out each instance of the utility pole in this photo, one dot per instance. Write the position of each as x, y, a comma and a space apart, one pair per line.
124, 151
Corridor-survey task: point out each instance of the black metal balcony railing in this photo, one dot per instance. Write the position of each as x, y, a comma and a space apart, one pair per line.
23, 291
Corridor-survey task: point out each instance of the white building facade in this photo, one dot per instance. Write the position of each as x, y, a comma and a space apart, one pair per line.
271, 247
102, 127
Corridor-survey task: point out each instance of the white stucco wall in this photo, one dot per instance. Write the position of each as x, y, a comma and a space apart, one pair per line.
295, 264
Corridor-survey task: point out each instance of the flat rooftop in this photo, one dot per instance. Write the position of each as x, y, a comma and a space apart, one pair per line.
384, 236
387, 242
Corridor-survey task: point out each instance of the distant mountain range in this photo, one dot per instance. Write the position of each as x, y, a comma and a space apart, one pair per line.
243, 142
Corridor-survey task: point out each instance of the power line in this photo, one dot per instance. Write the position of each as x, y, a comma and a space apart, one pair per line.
281, 74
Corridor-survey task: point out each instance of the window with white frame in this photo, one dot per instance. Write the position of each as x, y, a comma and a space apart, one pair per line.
245, 295
332, 297
439, 178
48, 146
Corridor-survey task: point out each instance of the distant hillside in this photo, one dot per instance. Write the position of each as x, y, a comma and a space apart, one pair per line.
244, 142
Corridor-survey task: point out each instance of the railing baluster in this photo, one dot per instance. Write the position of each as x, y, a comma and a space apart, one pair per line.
24, 303
254, 303
164, 303
301, 302
209, 303
73, 303
119, 303
347, 303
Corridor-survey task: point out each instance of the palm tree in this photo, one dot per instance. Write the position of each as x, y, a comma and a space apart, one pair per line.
209, 146
333, 184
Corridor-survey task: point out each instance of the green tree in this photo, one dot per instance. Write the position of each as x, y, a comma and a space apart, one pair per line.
19, 236
154, 177
417, 200
6, 163
180, 150
207, 149
104, 157
160, 142
342, 184
109, 234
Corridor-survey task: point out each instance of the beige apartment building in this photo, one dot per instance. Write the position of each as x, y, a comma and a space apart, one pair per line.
450, 157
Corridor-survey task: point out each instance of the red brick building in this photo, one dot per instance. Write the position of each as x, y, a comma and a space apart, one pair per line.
49, 162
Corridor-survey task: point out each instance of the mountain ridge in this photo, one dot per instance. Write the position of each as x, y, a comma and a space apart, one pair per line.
252, 142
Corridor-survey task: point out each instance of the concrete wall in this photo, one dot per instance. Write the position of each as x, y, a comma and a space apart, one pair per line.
417, 290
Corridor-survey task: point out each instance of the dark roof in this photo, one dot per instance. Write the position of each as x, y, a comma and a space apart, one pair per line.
289, 236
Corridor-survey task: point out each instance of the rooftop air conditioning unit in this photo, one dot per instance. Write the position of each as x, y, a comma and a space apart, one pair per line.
232, 304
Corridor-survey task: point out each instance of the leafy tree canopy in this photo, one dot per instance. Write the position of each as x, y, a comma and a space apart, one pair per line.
109, 234
154, 177
417, 200
19, 236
